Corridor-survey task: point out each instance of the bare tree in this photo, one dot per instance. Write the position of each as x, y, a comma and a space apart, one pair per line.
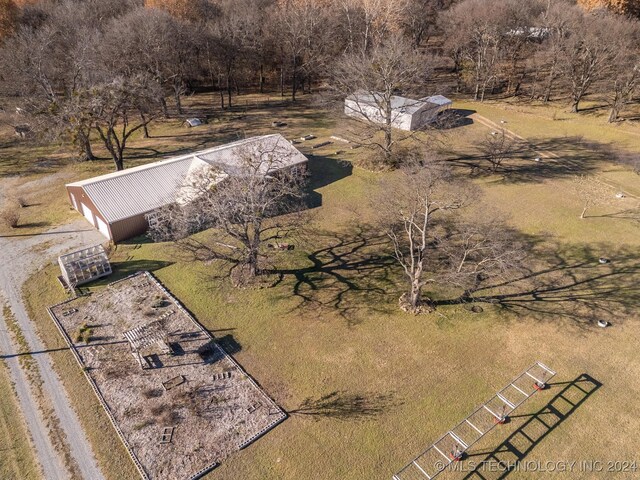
51, 62
245, 208
479, 252
227, 37
372, 80
488, 41
621, 84
120, 108
151, 42
8, 17
419, 18
592, 192
624, 86
475, 42
559, 19
261, 38
303, 38
589, 54
496, 147
380, 18
415, 199
193, 10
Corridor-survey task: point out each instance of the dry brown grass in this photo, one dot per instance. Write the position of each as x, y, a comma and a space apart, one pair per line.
17, 457
369, 387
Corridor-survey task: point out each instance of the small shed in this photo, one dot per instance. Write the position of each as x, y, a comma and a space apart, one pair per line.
193, 122
84, 265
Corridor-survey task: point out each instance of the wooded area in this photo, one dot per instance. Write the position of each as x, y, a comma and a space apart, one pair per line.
103, 70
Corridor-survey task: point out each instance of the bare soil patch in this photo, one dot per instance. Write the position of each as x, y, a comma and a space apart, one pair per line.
191, 405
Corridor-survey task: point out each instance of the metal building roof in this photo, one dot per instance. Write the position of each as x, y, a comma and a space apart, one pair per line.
401, 104
141, 189
439, 100
398, 104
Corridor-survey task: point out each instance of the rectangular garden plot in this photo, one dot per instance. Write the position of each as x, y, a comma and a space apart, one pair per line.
179, 402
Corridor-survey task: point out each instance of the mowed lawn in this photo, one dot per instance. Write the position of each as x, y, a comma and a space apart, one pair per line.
368, 387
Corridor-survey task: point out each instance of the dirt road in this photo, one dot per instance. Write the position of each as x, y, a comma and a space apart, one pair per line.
19, 258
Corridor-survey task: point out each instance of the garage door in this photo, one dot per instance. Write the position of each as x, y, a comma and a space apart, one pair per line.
88, 214
73, 200
103, 228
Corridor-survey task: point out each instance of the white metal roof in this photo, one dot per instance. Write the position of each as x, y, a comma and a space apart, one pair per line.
141, 189
400, 104
440, 100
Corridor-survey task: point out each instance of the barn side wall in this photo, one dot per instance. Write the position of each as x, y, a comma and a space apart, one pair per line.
128, 227
399, 120
82, 197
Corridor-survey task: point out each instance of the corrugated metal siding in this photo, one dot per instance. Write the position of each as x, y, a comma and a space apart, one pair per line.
128, 195
132, 193
82, 198
129, 227
282, 154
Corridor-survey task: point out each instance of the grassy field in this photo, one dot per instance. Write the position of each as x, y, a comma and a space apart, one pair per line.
38, 173
368, 387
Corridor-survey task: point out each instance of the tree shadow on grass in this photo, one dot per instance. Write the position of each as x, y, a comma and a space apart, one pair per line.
16, 165
343, 405
146, 152
569, 283
40, 224
632, 214
561, 157
324, 170
60, 232
229, 344
503, 460
347, 275
124, 269
137, 241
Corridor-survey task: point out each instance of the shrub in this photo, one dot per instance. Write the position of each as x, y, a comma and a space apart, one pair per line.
83, 334
10, 217
158, 302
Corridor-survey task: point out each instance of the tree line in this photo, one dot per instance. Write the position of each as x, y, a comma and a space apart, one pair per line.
106, 68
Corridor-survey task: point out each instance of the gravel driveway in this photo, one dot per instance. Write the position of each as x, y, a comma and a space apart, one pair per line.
19, 258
